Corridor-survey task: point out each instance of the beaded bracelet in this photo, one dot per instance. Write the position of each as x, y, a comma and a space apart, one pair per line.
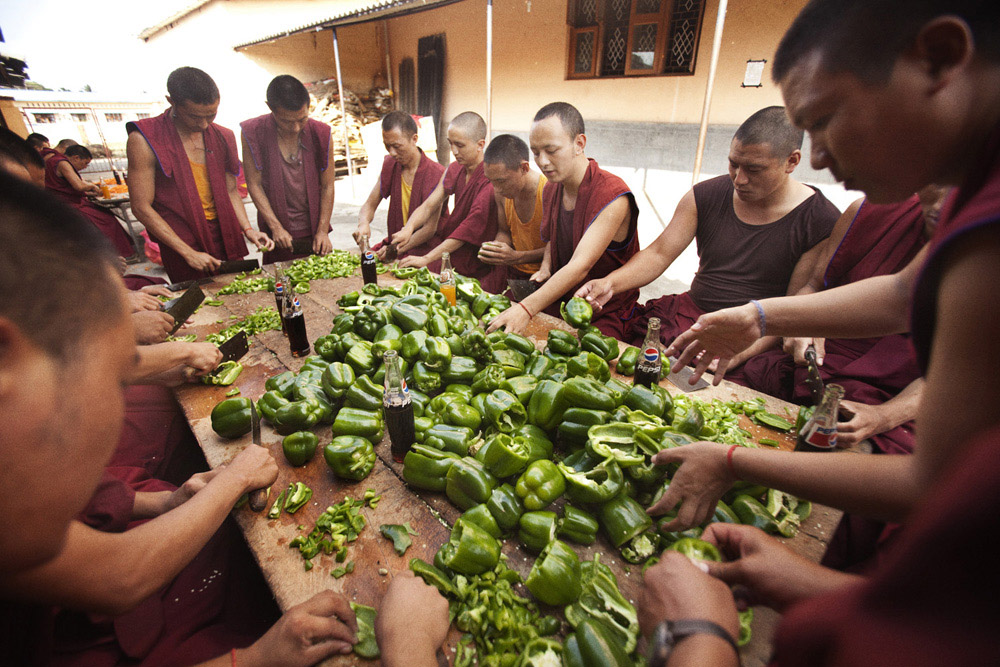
761, 316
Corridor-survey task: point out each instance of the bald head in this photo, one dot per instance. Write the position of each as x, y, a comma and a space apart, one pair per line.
770, 126
64, 144
508, 150
568, 115
470, 124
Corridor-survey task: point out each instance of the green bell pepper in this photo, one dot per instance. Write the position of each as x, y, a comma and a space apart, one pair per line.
585, 392
547, 405
542, 652
555, 577
577, 525
481, 304
602, 601
369, 321
563, 342
350, 457
425, 379
488, 379
451, 438
477, 346
379, 348
231, 417
576, 312
427, 468
419, 400
616, 441
482, 517
346, 342
460, 369
752, 513
297, 416
521, 386
504, 412
479, 403
505, 506
538, 366
557, 372
281, 383
520, 343
313, 362
628, 360
361, 358
269, 403
433, 576
364, 423
590, 479
618, 390
459, 414
463, 390
437, 325
540, 485
724, 514
437, 405
511, 361
364, 394
641, 547
349, 299
538, 443
456, 345
412, 343
622, 519
603, 346
696, 549
337, 379
435, 353
299, 447
536, 529
650, 401
597, 645
342, 324
471, 550
504, 455
576, 425
469, 483
588, 364
408, 316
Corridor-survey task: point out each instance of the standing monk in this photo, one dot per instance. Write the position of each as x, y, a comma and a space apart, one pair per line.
408, 178
285, 158
758, 232
518, 192
182, 181
471, 223
62, 178
589, 223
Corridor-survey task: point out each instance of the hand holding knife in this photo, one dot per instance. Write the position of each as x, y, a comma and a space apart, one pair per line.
258, 498
814, 381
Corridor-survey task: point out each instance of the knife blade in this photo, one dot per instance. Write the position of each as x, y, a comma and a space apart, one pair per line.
679, 378
238, 266
391, 253
184, 306
521, 289
187, 284
258, 498
302, 246
236, 347
813, 379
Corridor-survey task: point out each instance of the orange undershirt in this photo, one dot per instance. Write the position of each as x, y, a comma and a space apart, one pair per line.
200, 173
526, 235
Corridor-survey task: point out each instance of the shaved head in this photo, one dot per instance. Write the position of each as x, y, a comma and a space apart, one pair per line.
568, 115
508, 150
771, 126
64, 144
470, 124
399, 120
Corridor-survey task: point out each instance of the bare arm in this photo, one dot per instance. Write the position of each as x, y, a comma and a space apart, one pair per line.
327, 185
426, 214
258, 238
869, 420
448, 245
66, 170
163, 357
367, 212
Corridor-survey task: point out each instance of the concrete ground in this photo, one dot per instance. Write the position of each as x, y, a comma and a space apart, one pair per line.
657, 193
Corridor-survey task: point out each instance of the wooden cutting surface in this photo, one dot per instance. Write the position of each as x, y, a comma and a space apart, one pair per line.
430, 514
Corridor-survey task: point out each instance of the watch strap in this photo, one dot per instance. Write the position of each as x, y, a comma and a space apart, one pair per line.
669, 633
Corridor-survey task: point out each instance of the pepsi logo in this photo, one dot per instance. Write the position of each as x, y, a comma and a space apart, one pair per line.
651, 354
369, 255
406, 390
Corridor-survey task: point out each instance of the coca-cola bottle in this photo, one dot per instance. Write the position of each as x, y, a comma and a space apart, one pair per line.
397, 407
647, 369
819, 434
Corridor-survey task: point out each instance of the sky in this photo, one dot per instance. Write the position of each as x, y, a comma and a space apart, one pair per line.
97, 43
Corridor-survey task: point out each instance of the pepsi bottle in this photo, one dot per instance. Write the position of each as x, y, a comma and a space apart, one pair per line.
647, 370
368, 272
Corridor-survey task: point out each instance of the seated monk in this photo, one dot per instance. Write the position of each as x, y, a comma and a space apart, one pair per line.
19, 159
588, 223
286, 155
182, 181
758, 232
518, 192
471, 222
62, 178
59, 149
38, 142
407, 179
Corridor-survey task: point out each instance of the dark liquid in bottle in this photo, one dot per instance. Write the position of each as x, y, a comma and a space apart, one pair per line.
297, 339
368, 268
279, 304
399, 422
646, 377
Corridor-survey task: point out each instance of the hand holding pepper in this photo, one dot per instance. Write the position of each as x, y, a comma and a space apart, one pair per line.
697, 485
321, 626
596, 292
402, 641
513, 320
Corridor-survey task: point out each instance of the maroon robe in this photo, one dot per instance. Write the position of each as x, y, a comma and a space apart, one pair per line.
473, 222
425, 179
177, 200
105, 222
261, 135
677, 312
597, 190
46, 152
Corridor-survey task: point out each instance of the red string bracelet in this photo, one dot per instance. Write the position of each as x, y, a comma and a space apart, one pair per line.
729, 461
232, 656
520, 303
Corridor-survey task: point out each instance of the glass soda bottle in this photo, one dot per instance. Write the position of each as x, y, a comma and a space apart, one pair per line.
397, 407
279, 300
647, 370
368, 272
295, 324
819, 434
447, 279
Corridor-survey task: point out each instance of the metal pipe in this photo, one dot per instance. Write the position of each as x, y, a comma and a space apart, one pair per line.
388, 60
343, 114
652, 204
720, 22
489, 69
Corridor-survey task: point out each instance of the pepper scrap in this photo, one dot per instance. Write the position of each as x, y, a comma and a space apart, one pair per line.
350, 457
427, 468
616, 442
471, 550
399, 534
555, 577
602, 601
366, 646
231, 417
224, 375
576, 312
334, 528
540, 485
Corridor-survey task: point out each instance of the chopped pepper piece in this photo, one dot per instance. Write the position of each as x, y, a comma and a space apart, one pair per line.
399, 534
367, 646
555, 577
471, 550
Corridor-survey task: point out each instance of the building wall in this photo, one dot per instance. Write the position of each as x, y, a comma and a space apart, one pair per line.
60, 121
12, 118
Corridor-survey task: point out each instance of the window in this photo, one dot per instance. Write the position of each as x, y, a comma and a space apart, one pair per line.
44, 117
112, 117
612, 38
140, 116
79, 117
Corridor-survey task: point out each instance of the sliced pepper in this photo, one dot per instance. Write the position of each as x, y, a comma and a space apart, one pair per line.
427, 468
540, 485
616, 441
622, 519
471, 550
536, 529
504, 455
398, 534
555, 577
590, 479
504, 412
366, 646
577, 525
601, 600
469, 483
350, 457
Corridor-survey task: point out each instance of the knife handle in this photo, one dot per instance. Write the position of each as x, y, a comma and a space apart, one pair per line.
258, 499
810, 353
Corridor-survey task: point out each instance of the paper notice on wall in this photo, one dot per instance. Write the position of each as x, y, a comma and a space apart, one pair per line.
754, 74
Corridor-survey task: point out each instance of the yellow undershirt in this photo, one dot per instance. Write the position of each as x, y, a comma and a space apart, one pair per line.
200, 173
405, 191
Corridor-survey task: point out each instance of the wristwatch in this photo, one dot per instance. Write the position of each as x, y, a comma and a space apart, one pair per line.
669, 633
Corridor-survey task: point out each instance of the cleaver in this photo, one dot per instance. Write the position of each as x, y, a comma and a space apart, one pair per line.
184, 306
238, 266
180, 287
813, 379
233, 349
302, 246
679, 378
521, 289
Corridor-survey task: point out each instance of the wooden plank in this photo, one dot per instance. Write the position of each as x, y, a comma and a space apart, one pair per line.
425, 511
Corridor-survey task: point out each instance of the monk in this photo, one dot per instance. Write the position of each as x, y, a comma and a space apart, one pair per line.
407, 179
881, 87
286, 158
182, 181
518, 191
473, 220
19, 159
62, 178
758, 232
38, 141
589, 224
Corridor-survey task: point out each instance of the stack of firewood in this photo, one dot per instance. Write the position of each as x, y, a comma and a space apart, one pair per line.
361, 110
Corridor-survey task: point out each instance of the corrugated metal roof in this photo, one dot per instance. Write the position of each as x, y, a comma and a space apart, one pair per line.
173, 18
368, 10
72, 97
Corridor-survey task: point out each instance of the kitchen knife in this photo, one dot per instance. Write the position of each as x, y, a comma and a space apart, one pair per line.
679, 378
184, 306
302, 246
813, 380
232, 350
238, 266
391, 253
187, 284
521, 289
258, 498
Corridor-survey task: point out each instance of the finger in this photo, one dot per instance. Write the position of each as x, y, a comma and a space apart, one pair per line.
669, 455
688, 351
329, 603
722, 365
666, 503
318, 629
730, 572
323, 650
820, 344
700, 369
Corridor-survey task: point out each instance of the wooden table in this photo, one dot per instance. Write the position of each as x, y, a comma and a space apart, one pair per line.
431, 514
